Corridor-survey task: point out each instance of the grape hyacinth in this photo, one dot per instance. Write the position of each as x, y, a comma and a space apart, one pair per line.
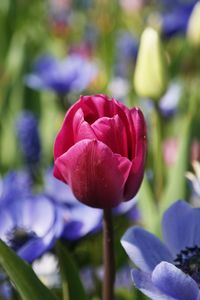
28, 136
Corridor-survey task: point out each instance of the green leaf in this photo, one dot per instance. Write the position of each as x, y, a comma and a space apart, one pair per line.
21, 274
148, 208
176, 185
72, 285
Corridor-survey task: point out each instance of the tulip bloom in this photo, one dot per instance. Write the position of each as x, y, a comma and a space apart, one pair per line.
100, 151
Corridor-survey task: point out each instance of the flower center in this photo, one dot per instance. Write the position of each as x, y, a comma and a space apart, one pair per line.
188, 260
18, 236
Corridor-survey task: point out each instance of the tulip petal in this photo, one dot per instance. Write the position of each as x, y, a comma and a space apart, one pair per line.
81, 128
140, 132
99, 106
94, 173
135, 177
65, 137
138, 162
112, 132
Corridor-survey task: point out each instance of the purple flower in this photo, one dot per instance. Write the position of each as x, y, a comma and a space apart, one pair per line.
29, 224
28, 135
73, 74
169, 270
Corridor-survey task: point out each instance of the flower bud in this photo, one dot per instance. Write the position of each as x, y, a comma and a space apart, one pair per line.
100, 151
193, 30
150, 78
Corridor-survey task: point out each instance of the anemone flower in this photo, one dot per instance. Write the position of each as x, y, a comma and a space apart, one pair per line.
168, 270
74, 73
29, 224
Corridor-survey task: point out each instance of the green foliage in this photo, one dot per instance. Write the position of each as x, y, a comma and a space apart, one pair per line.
72, 286
21, 274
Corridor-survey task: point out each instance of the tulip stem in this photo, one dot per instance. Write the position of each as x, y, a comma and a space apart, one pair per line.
109, 261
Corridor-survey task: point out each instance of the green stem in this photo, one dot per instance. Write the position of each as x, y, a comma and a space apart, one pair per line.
157, 153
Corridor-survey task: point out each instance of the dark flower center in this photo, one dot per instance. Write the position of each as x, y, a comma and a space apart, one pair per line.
18, 237
188, 260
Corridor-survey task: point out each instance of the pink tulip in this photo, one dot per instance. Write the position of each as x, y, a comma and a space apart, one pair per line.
100, 151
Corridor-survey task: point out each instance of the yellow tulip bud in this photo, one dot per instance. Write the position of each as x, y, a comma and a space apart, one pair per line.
193, 30
150, 79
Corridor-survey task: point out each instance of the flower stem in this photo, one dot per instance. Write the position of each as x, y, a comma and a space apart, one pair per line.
109, 261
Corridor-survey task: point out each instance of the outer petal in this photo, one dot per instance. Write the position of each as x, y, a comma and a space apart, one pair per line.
74, 128
174, 283
144, 283
144, 249
65, 137
95, 174
140, 131
137, 171
181, 226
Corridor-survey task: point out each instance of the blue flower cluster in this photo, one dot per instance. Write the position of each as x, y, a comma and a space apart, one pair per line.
74, 73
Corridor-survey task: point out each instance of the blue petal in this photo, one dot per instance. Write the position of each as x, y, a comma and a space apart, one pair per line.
181, 227
125, 207
174, 283
144, 249
34, 81
144, 283
58, 191
82, 221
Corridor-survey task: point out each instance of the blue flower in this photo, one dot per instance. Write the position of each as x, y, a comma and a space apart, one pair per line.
126, 52
14, 185
168, 104
176, 16
28, 135
169, 270
29, 224
73, 74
